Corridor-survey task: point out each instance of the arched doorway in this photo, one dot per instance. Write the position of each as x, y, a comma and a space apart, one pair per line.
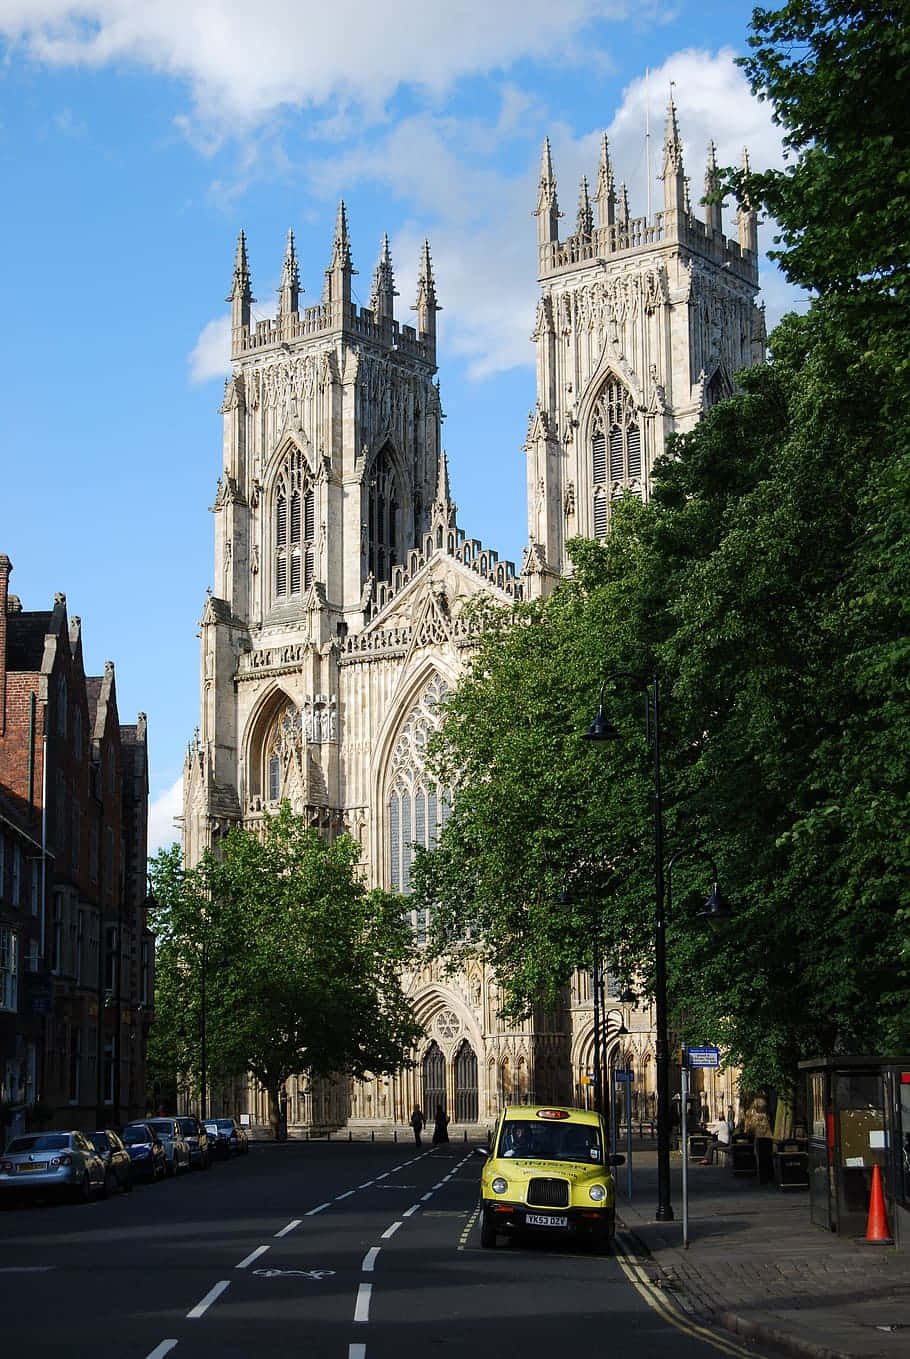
465, 1084
434, 1081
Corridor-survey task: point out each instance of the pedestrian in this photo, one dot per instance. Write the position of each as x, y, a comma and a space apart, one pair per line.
440, 1125
417, 1123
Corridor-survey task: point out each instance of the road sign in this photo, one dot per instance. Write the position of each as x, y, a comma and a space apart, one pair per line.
624, 1077
703, 1057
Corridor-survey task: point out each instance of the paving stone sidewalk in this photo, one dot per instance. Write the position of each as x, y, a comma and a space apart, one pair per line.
757, 1266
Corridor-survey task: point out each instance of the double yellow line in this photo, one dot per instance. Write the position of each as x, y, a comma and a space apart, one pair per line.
658, 1301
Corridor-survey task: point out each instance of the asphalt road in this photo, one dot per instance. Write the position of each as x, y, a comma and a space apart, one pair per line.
336, 1250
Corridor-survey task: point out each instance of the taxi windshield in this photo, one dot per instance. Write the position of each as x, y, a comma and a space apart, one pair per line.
550, 1141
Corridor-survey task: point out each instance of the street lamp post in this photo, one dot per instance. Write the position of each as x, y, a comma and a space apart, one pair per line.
602, 730
202, 1038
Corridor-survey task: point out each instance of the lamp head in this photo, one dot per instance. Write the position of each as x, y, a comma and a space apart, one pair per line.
600, 729
717, 909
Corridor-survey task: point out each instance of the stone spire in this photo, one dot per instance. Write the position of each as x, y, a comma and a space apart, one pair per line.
547, 210
240, 295
713, 211
340, 271
606, 189
289, 292
622, 211
382, 298
584, 222
442, 512
426, 305
673, 174
747, 217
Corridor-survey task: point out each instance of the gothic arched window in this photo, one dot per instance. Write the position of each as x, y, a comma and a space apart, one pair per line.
294, 527
383, 517
616, 456
282, 754
416, 807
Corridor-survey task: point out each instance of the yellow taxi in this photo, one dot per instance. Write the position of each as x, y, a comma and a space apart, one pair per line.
548, 1171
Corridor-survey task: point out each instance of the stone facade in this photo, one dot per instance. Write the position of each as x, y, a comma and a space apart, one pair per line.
341, 576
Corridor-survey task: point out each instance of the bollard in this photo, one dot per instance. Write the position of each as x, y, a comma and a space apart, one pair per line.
372, 1134
308, 1134
350, 1135
394, 1134
465, 1138
328, 1136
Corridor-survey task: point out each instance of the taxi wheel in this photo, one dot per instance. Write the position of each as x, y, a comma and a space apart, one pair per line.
487, 1231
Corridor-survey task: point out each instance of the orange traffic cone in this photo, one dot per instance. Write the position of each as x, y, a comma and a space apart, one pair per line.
877, 1227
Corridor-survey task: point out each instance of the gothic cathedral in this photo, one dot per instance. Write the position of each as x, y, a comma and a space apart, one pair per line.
336, 621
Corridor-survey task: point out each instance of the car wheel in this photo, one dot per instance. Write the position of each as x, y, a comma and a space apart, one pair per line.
487, 1231
110, 1184
206, 1162
128, 1181
171, 1168
83, 1191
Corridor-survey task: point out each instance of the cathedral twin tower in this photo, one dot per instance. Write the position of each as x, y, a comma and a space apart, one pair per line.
336, 620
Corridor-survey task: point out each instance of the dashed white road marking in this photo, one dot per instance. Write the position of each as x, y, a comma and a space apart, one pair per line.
390, 1231
295, 1222
369, 1260
428, 1195
253, 1255
415, 1207
362, 1305
211, 1296
313, 1211
339, 1197
366, 1184
161, 1350
357, 1352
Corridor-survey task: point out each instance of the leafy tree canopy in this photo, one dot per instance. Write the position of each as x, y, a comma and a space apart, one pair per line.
302, 964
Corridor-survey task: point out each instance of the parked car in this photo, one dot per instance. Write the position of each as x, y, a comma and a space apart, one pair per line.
229, 1137
197, 1139
61, 1162
175, 1145
146, 1151
118, 1167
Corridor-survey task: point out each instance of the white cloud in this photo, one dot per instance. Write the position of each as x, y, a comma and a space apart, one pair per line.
211, 354
243, 61
163, 810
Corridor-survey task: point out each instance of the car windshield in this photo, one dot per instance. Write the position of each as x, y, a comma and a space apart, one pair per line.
163, 1127
550, 1141
133, 1136
188, 1127
99, 1140
40, 1142
226, 1124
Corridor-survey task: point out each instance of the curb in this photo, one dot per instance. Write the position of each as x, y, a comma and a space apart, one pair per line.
745, 1327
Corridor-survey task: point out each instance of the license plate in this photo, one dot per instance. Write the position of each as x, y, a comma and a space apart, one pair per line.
545, 1220
34, 1165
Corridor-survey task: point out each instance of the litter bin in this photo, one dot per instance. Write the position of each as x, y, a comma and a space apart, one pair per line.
791, 1165
742, 1154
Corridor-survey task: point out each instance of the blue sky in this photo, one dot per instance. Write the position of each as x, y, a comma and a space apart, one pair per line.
136, 140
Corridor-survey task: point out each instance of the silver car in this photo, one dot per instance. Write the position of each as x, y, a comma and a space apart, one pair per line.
60, 1162
176, 1147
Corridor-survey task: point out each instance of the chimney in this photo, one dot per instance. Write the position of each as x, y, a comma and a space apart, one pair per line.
6, 567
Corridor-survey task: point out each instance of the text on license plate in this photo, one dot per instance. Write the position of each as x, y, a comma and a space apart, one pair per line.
545, 1220
33, 1165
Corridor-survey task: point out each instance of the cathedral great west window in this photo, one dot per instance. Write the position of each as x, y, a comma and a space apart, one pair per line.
294, 528
615, 451
416, 807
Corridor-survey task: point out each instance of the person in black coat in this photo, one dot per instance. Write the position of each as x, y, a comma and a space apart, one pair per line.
417, 1122
440, 1125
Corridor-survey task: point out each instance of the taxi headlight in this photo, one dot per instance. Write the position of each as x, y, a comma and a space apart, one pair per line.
499, 1185
597, 1193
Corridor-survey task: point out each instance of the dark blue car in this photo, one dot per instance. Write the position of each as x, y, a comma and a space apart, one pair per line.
146, 1151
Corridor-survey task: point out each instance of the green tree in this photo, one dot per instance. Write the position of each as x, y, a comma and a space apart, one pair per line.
303, 964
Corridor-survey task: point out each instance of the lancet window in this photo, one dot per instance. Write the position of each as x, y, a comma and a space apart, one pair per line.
282, 753
616, 456
384, 517
416, 806
294, 527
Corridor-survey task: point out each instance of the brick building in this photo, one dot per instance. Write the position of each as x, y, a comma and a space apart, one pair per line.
76, 957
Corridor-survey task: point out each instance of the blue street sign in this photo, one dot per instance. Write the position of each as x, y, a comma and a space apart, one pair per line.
626, 1077
702, 1057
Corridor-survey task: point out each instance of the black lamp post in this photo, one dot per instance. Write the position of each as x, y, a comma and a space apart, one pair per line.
203, 1075
602, 730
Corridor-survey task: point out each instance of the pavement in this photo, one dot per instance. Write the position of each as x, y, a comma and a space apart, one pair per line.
757, 1266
